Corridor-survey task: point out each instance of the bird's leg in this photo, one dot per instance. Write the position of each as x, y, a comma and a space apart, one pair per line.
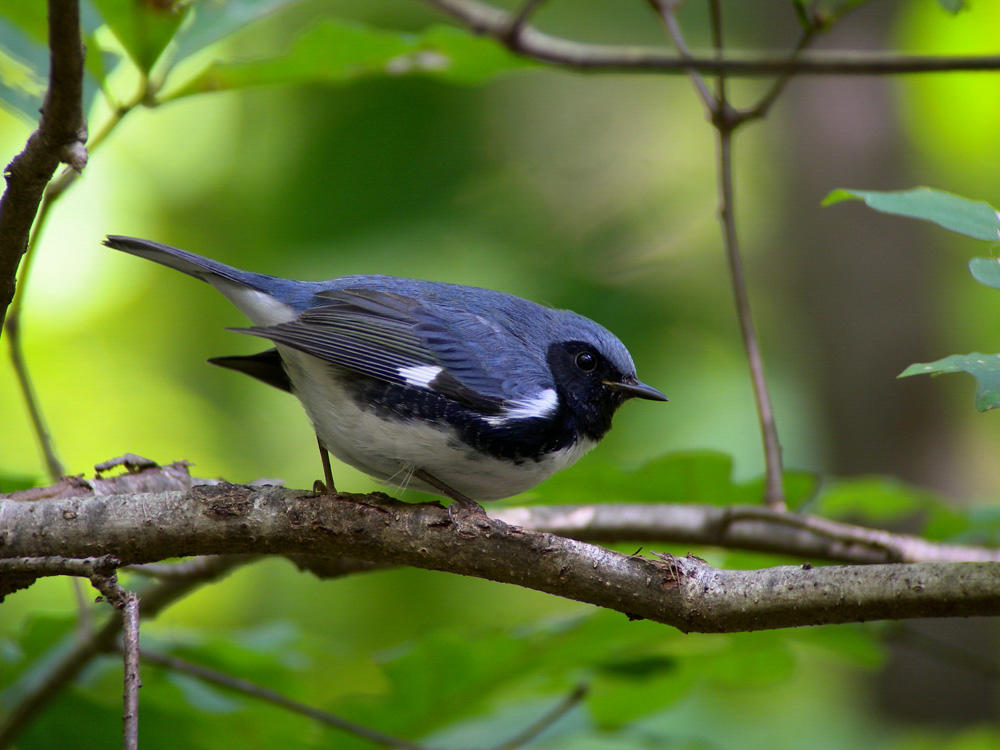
467, 504
318, 486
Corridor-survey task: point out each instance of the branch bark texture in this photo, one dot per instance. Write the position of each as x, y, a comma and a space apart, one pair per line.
683, 592
60, 137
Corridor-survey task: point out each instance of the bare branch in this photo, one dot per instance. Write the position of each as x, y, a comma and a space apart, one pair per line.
686, 594
12, 324
665, 9
774, 493
270, 696
715, 14
59, 138
130, 671
128, 604
490, 21
725, 119
56, 565
762, 107
748, 527
65, 659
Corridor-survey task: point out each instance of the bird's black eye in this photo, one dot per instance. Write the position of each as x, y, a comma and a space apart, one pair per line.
586, 361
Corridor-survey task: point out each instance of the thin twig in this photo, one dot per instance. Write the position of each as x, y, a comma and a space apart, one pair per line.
531, 732
65, 659
762, 107
59, 138
130, 669
876, 539
486, 19
179, 570
715, 18
53, 466
259, 692
12, 324
84, 612
748, 527
666, 10
725, 120
774, 494
86, 567
127, 602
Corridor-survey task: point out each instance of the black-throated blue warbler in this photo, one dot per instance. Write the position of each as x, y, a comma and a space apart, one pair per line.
463, 392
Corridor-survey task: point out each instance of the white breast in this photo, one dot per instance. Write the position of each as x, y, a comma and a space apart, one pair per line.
391, 451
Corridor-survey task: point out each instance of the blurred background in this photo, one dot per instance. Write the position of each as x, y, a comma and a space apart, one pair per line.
590, 192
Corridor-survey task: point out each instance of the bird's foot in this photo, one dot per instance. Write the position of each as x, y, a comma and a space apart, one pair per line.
319, 488
464, 510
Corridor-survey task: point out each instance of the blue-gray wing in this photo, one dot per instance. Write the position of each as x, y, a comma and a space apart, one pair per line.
397, 339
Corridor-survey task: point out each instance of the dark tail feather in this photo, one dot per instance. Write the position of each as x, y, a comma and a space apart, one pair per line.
181, 260
265, 367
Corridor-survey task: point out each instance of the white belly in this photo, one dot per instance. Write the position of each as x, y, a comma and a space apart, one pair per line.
392, 451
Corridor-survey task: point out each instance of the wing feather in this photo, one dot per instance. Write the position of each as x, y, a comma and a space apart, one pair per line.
385, 335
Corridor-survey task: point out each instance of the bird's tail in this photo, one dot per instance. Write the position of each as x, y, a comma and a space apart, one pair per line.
181, 260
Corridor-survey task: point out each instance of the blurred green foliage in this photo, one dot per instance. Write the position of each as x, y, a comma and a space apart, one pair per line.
589, 192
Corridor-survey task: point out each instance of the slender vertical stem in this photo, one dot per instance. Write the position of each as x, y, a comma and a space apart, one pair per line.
715, 14
774, 494
130, 673
53, 465
64, 661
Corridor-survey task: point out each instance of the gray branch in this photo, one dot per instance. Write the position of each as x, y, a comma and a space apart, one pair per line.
530, 42
683, 592
739, 527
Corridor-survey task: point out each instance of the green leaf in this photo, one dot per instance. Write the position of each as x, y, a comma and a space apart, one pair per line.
216, 20
972, 218
985, 368
203, 696
24, 56
337, 51
144, 27
879, 500
986, 271
953, 6
15, 482
31, 18
23, 71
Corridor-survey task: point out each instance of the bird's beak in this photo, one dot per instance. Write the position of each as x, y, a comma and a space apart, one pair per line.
633, 388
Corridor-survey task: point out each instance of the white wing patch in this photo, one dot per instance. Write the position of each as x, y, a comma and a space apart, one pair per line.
537, 407
419, 375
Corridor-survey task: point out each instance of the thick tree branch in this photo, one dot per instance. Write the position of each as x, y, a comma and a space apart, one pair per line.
59, 138
530, 42
685, 593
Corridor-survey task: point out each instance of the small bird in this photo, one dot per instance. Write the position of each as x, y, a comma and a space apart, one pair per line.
462, 392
